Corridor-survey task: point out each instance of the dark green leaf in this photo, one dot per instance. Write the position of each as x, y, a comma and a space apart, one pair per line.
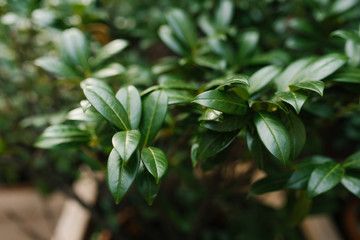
300, 210
295, 99
227, 123
247, 42
154, 109
109, 50
62, 135
269, 106
146, 184
235, 80
227, 102
120, 176
182, 27
256, 148
126, 143
347, 35
297, 134
353, 161
268, 184
299, 179
178, 96
262, 77
314, 161
324, 177
317, 86
274, 135
350, 75
129, 98
351, 183
155, 161
168, 81
108, 106
56, 67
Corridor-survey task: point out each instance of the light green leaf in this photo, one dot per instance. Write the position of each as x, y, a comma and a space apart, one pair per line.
178, 96
262, 77
78, 114
154, 108
350, 75
227, 102
295, 99
125, 143
297, 134
61, 136
210, 61
323, 178
120, 176
96, 83
235, 80
129, 98
224, 14
274, 135
146, 184
168, 37
182, 27
111, 70
155, 161
109, 50
353, 161
317, 86
108, 106
56, 67
74, 48
211, 115
351, 183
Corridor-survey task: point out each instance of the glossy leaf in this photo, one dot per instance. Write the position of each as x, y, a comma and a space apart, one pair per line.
108, 106
154, 108
74, 47
227, 102
317, 86
56, 67
235, 80
111, 70
212, 143
168, 37
274, 135
211, 115
262, 77
353, 161
109, 50
299, 179
352, 50
268, 184
297, 134
146, 184
120, 176
155, 161
295, 99
62, 135
323, 178
126, 143
351, 183
227, 123
178, 96
129, 98
182, 27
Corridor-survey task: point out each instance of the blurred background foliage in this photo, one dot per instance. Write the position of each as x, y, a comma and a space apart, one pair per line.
205, 206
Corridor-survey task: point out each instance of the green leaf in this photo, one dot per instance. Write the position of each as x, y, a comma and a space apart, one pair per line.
154, 109
210, 61
111, 70
224, 14
262, 77
227, 102
317, 86
352, 50
256, 148
108, 51
56, 67
353, 161
351, 183
347, 35
350, 75
96, 83
323, 178
274, 135
211, 143
178, 96
120, 176
295, 99
155, 161
182, 27
78, 114
235, 80
168, 37
269, 106
125, 143
172, 82
268, 184
108, 106
299, 179
297, 134
247, 43
61, 136
74, 47
227, 123
146, 184
129, 97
